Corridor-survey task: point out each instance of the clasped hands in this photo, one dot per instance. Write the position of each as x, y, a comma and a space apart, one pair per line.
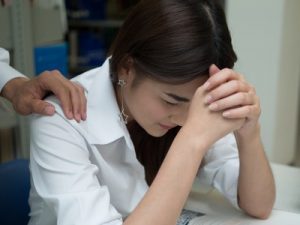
228, 92
225, 103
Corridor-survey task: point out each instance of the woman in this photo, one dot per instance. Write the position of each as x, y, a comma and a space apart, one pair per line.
163, 105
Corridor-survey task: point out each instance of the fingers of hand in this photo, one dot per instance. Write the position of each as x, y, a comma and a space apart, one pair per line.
221, 77
226, 89
230, 93
55, 82
83, 101
247, 111
78, 102
66, 103
70, 94
236, 100
42, 107
51, 80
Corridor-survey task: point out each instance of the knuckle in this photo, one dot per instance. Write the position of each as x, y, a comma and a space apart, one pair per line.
254, 110
55, 72
245, 85
248, 110
45, 73
242, 77
43, 76
227, 70
72, 90
79, 87
250, 95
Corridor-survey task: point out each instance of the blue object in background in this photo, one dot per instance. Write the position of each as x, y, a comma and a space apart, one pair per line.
51, 57
86, 9
92, 52
14, 192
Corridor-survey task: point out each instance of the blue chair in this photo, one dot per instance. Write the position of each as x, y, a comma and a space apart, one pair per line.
14, 192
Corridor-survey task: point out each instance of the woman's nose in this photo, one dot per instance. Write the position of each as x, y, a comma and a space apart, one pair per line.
178, 118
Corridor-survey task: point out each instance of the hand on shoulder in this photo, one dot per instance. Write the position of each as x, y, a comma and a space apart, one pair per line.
27, 95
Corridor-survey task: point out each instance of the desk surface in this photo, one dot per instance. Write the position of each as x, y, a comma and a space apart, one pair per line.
287, 181
219, 211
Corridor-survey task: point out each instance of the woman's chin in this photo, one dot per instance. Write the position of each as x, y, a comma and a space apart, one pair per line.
156, 132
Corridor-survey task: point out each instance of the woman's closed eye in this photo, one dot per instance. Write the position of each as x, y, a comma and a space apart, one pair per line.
170, 103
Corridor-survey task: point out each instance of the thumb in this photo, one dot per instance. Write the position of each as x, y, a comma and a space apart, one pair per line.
42, 107
213, 69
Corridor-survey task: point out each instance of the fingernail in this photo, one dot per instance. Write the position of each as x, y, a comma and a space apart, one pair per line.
77, 116
70, 115
49, 110
213, 106
207, 99
206, 85
84, 116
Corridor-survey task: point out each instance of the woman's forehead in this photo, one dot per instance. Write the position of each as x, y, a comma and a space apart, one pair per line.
187, 88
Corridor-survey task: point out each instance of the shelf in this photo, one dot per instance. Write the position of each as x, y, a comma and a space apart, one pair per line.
95, 23
75, 71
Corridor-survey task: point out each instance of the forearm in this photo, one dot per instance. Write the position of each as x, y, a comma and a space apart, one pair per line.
256, 188
166, 196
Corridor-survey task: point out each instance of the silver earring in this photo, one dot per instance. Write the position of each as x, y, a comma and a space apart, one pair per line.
123, 116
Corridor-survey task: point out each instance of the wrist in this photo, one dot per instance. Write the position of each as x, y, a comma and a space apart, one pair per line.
199, 142
11, 86
254, 133
249, 138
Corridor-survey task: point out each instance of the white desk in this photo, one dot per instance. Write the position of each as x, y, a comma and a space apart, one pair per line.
219, 211
287, 180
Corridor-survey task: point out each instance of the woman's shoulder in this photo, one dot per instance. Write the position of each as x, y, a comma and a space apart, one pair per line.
57, 125
87, 78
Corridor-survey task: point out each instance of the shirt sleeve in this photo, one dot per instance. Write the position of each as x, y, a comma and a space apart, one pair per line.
6, 71
64, 178
221, 168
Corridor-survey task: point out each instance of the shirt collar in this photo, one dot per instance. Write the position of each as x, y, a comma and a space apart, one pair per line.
103, 114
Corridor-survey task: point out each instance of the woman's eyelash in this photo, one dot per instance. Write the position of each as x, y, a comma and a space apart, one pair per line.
170, 103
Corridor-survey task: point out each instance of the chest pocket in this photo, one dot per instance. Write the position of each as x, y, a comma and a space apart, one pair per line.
119, 170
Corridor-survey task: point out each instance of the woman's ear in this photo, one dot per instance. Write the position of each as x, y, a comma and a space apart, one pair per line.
126, 70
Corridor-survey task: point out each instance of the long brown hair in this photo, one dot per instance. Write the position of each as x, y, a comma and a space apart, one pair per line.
171, 41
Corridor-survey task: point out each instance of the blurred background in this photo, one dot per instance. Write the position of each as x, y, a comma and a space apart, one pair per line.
74, 35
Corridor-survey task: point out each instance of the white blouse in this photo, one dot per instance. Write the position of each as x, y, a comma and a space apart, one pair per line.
6, 71
88, 173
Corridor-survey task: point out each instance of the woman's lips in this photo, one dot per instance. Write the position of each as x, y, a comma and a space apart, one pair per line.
166, 127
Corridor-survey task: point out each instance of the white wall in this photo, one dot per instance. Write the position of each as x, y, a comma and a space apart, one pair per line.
266, 37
